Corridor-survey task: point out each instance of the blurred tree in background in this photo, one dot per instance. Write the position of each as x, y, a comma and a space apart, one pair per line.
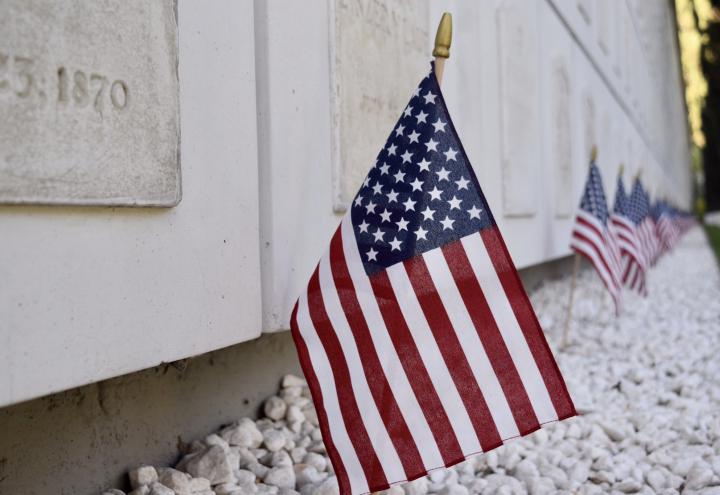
699, 35
710, 63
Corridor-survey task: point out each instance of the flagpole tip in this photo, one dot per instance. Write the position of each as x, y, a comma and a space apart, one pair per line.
621, 169
443, 37
593, 153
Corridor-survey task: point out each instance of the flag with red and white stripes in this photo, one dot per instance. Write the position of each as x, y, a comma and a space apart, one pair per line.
633, 262
593, 238
640, 214
416, 336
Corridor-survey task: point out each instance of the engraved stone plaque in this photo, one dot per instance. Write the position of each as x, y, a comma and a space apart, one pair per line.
518, 64
380, 50
562, 142
89, 102
590, 136
584, 7
603, 25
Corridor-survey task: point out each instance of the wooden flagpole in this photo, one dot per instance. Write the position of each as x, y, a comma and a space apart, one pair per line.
443, 40
573, 281
566, 331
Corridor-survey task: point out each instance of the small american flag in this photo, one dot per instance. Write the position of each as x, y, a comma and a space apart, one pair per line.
668, 231
415, 333
633, 263
593, 238
639, 210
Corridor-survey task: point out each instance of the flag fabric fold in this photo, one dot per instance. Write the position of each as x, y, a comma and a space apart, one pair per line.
416, 336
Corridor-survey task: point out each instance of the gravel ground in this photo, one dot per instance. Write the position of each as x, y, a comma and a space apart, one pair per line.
647, 386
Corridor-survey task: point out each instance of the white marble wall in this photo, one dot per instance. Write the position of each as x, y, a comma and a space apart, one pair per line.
87, 293
531, 87
272, 103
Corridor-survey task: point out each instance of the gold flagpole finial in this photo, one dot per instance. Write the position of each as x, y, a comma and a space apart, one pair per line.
593, 154
443, 40
621, 169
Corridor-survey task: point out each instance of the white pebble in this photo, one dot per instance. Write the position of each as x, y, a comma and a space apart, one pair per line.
282, 477
215, 464
275, 408
293, 381
320, 462
159, 489
144, 475
274, 440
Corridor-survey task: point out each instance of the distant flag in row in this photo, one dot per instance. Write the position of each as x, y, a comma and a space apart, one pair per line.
623, 244
593, 238
633, 261
640, 203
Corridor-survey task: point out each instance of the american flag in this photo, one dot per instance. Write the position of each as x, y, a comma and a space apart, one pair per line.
640, 215
633, 263
415, 333
593, 238
668, 231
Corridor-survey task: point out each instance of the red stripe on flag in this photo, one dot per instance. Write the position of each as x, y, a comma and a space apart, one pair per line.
606, 243
629, 267
377, 381
528, 322
314, 385
415, 370
611, 274
352, 418
491, 338
452, 352
636, 280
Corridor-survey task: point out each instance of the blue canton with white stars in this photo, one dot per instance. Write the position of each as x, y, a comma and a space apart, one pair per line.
593, 199
638, 203
422, 193
621, 199
661, 208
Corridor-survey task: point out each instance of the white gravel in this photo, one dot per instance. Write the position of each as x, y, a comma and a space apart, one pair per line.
647, 386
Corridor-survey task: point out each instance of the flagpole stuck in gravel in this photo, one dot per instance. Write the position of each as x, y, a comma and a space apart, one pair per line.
576, 267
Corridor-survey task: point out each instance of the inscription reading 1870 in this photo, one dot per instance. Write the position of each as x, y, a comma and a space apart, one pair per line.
89, 102
18, 75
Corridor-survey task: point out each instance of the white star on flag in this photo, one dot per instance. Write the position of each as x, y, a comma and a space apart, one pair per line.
450, 154
431, 145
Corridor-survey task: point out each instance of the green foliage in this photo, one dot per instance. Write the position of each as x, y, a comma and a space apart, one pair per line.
713, 233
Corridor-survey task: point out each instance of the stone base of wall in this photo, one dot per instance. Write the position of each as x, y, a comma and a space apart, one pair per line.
84, 440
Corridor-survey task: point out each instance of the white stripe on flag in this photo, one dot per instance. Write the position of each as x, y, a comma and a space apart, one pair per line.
324, 373
509, 328
374, 424
432, 358
472, 345
587, 248
602, 248
389, 359
604, 238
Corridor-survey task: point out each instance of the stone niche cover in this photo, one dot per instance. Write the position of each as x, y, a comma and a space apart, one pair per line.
89, 102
